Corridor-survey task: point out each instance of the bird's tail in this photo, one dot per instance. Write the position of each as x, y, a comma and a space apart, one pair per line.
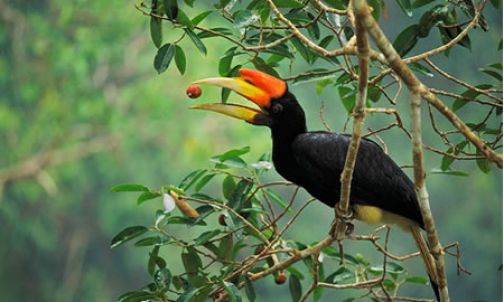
427, 258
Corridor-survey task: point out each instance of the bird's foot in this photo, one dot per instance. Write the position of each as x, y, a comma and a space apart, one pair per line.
341, 226
345, 216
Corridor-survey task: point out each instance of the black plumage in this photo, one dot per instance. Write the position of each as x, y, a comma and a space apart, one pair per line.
315, 160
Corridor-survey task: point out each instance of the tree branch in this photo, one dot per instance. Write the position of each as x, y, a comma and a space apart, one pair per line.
341, 209
33, 166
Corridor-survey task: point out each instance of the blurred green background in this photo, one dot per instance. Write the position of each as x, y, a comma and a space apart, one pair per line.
82, 109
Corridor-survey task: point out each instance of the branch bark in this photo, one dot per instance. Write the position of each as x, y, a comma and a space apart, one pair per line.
359, 113
33, 166
423, 195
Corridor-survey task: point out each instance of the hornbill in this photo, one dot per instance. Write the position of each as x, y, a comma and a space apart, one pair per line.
380, 191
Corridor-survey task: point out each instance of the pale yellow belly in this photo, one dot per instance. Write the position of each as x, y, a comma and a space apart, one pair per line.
374, 215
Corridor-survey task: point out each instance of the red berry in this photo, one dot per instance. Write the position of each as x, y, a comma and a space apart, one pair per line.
193, 91
280, 278
222, 219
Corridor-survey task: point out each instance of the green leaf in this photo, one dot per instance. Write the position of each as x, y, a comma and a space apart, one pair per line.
360, 258
492, 73
226, 248
190, 179
406, 40
153, 240
153, 261
220, 30
340, 275
470, 94
406, 7
244, 18
295, 288
203, 181
191, 260
163, 278
377, 9
430, 18
184, 220
421, 69
495, 3
395, 269
321, 85
136, 296
184, 20
302, 50
389, 284
127, 234
249, 290
317, 293
163, 57
260, 64
225, 61
188, 295
288, 3
293, 271
228, 186
235, 162
171, 8
374, 93
484, 165
129, 188
276, 199
180, 59
347, 97
239, 194
314, 29
420, 3
232, 291
446, 161
234, 153
196, 41
417, 279
196, 20
206, 236
147, 196
156, 31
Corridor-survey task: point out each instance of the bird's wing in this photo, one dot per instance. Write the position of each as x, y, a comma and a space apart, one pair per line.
377, 180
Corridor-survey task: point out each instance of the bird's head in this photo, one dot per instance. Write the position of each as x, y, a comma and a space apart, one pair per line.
277, 107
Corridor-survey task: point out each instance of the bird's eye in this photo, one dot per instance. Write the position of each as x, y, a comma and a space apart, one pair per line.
277, 108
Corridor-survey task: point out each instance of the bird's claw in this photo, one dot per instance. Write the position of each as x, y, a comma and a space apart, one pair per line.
343, 217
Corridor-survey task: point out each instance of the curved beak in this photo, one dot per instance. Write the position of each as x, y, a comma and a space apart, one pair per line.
254, 85
250, 115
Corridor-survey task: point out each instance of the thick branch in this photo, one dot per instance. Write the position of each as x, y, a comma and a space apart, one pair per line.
359, 114
33, 166
423, 196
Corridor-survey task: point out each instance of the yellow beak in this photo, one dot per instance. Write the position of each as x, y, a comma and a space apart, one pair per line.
250, 115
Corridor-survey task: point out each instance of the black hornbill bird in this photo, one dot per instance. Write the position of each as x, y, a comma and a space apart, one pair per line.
380, 191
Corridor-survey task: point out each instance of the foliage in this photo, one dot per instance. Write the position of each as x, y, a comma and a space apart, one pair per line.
228, 256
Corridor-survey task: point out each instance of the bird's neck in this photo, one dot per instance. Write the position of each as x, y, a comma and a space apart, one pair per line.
283, 158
